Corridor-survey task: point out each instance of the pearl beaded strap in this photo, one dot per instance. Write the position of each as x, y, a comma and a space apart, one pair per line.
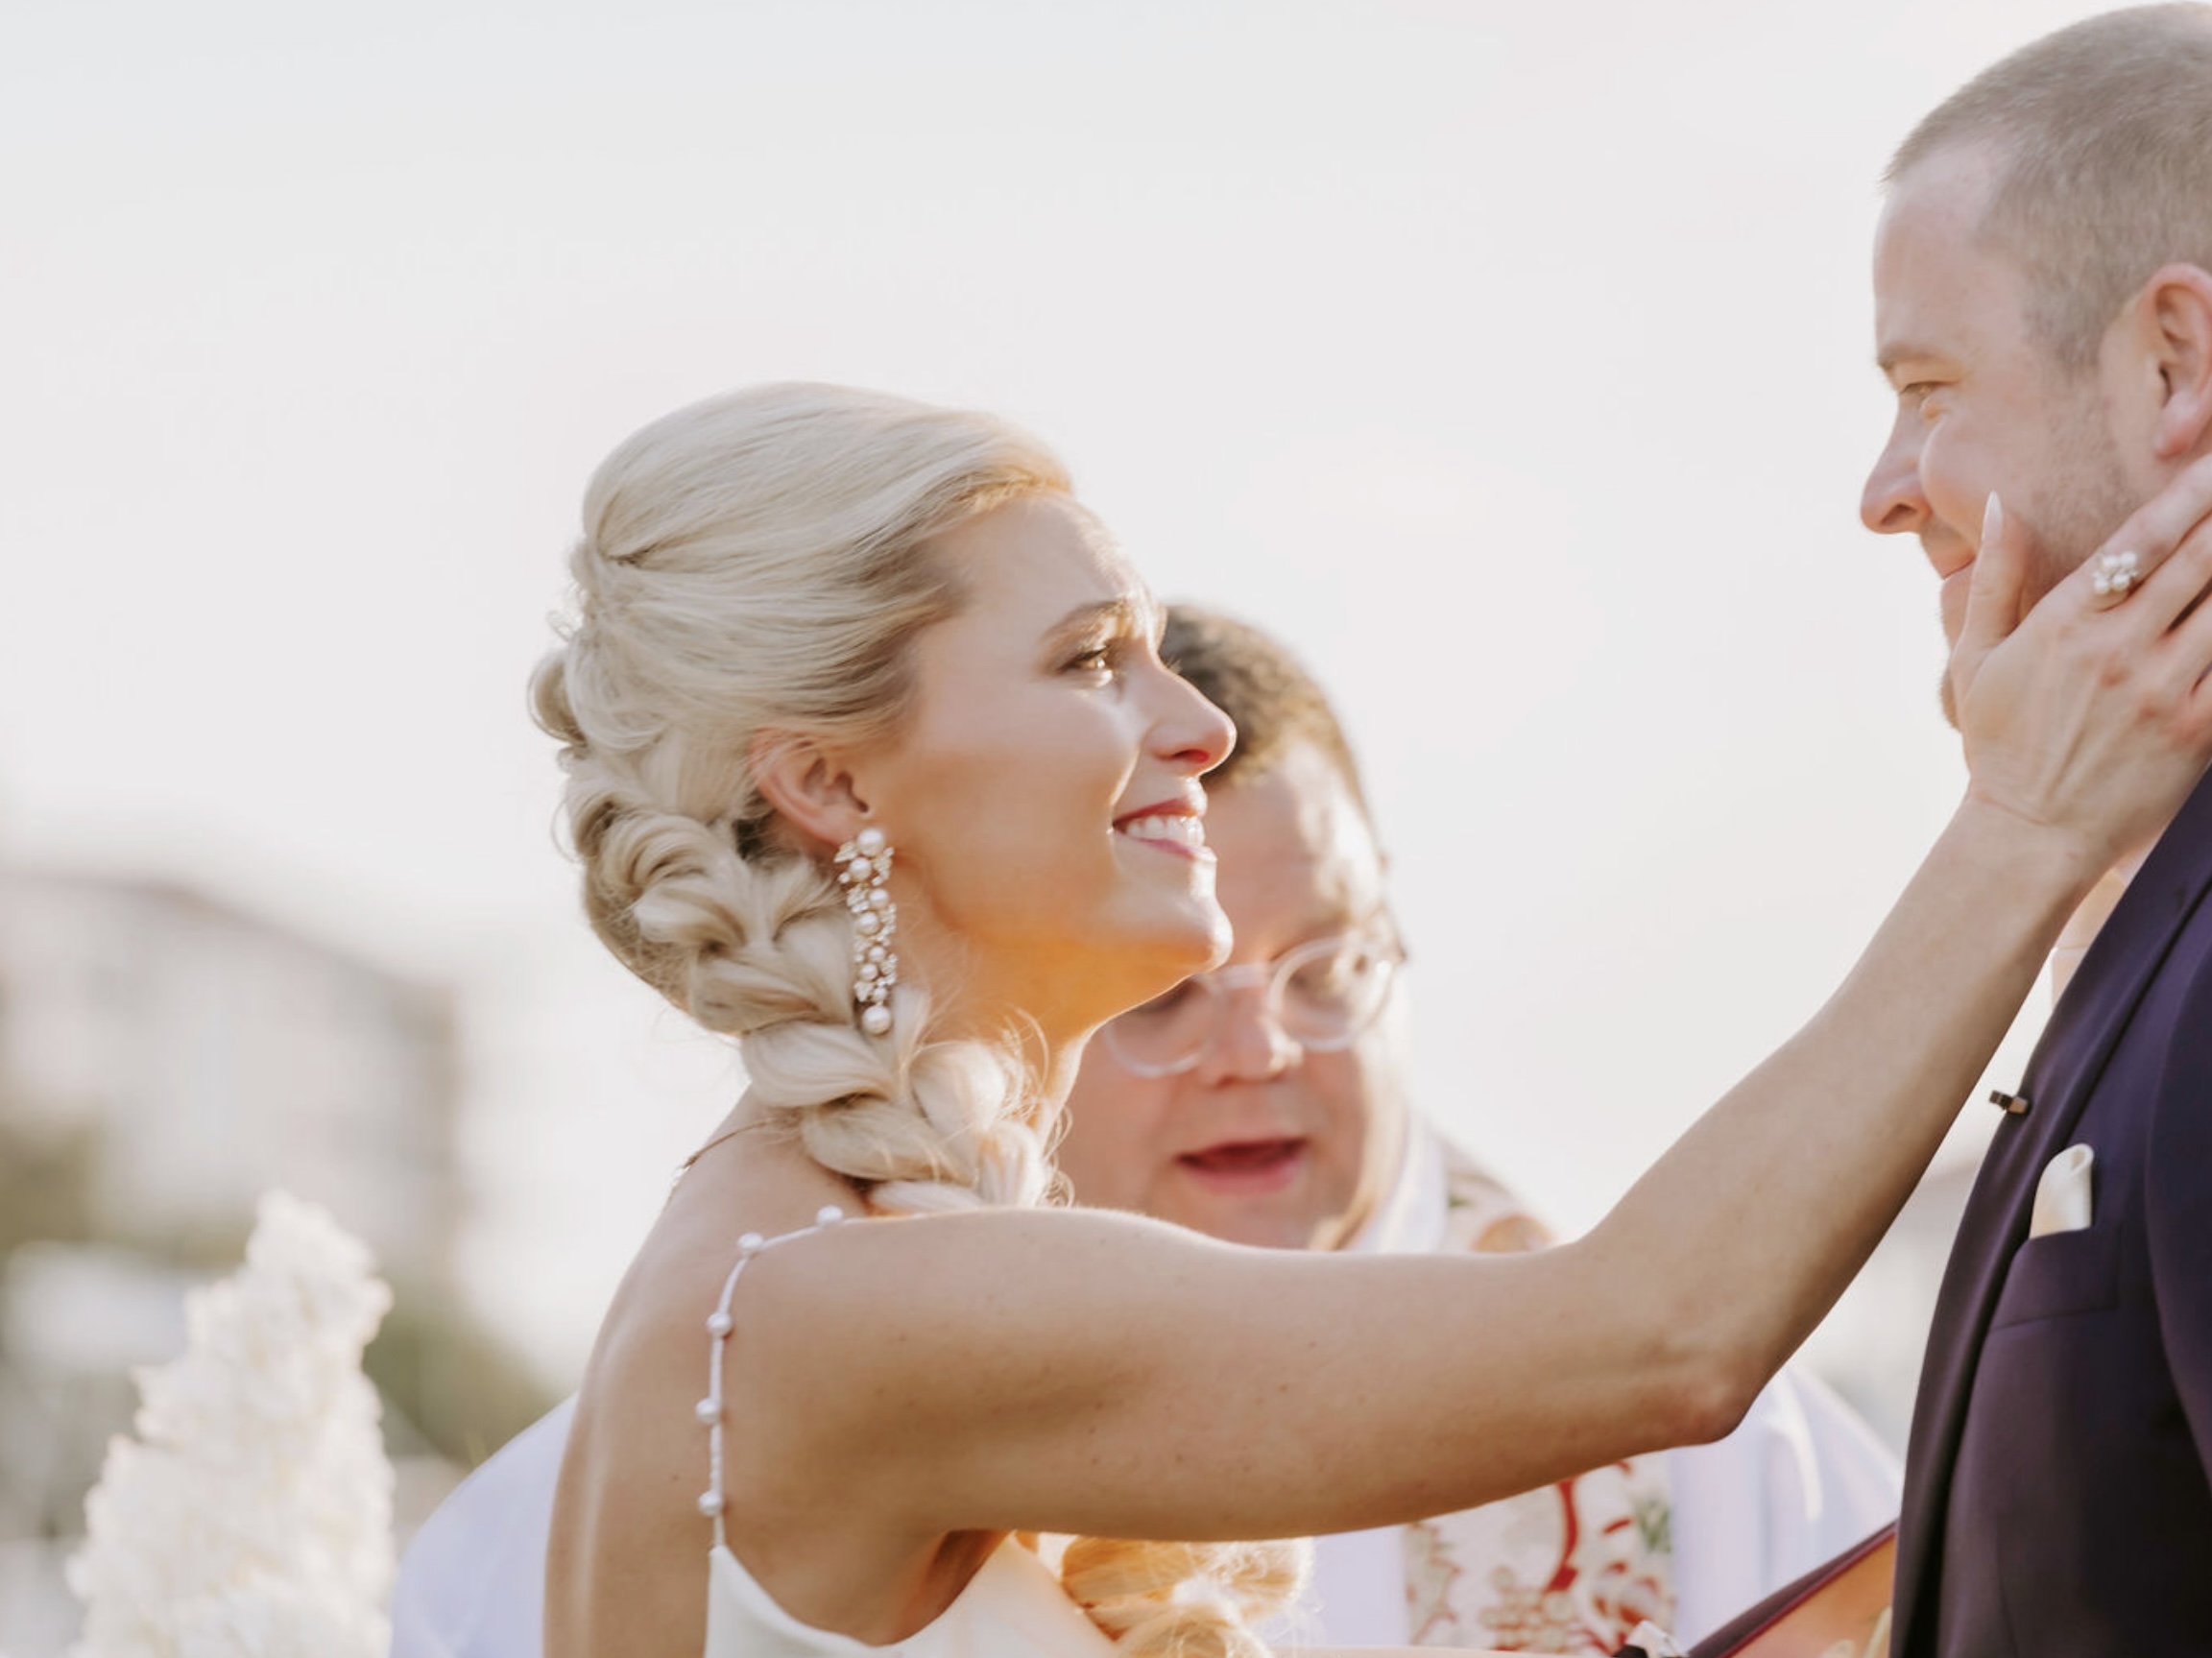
719, 1324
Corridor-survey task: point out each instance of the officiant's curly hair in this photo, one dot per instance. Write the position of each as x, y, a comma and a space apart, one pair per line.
2102, 134
761, 562
1271, 697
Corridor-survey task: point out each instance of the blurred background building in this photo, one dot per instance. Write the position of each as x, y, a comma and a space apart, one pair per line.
165, 1056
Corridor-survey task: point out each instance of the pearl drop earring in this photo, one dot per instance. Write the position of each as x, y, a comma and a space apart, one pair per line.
864, 871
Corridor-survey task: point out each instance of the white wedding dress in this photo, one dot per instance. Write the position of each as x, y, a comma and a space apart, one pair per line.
1013, 1608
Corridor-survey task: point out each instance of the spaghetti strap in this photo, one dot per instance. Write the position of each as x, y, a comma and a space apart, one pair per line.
719, 1324
1012, 1606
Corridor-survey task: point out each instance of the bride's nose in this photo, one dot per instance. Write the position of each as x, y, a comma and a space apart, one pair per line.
1187, 728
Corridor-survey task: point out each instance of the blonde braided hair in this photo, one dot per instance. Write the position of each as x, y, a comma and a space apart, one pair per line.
759, 563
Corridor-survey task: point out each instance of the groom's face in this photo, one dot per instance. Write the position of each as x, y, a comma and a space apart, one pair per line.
1982, 404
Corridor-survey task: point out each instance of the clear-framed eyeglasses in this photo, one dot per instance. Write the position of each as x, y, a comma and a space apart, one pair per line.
1320, 994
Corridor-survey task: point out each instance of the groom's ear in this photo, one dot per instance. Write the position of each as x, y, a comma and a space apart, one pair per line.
2177, 309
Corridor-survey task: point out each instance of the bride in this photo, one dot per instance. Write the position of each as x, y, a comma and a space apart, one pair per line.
873, 766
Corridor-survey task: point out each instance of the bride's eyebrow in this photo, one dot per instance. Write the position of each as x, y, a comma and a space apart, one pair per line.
1123, 614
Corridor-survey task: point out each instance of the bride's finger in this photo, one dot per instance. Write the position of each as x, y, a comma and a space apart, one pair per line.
2179, 592
1994, 587
1993, 599
2186, 647
2125, 572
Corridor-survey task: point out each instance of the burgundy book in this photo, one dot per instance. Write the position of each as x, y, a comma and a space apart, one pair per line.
1838, 1610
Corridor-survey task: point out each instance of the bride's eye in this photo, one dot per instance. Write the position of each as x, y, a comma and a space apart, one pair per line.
1099, 658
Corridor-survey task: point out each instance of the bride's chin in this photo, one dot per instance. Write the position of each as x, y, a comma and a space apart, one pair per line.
1205, 944
1158, 955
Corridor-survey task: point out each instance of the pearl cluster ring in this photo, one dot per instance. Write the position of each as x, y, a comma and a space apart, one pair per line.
2115, 574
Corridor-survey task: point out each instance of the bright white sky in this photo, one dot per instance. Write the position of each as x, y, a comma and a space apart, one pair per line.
1510, 361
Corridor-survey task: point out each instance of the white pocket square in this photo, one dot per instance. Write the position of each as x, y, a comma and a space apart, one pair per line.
2063, 1196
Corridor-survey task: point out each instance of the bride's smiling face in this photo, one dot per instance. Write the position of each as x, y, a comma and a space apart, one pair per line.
1042, 790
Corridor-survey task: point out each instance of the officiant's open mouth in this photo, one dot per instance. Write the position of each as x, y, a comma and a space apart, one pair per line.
1247, 1166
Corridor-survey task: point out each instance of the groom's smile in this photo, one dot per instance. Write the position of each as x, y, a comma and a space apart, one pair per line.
1984, 404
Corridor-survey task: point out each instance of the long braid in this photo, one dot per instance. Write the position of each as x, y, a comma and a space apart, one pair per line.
760, 950
1183, 1599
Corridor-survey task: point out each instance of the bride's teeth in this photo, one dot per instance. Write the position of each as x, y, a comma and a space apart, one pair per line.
1172, 826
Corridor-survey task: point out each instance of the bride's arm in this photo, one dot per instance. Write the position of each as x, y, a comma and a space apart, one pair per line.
1074, 1372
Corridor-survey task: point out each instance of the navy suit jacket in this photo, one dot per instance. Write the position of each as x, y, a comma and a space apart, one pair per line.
2056, 1490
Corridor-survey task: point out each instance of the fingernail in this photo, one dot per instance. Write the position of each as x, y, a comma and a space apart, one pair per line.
1992, 521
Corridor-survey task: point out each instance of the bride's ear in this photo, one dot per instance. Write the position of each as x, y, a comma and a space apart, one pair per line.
809, 787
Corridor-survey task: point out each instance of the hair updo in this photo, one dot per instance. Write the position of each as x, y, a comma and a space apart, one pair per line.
761, 563
758, 562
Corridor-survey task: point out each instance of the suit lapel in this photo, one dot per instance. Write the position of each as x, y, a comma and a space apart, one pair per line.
2080, 1038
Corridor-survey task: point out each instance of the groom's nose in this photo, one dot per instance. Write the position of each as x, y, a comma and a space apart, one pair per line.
1891, 503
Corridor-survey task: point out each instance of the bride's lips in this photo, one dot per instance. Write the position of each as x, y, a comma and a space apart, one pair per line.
1173, 825
1243, 1168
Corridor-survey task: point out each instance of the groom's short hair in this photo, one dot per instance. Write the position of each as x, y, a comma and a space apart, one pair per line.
2103, 134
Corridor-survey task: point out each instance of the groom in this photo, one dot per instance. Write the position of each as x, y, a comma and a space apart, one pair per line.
2043, 308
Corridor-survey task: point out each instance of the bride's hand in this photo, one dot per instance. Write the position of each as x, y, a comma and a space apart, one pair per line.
2091, 715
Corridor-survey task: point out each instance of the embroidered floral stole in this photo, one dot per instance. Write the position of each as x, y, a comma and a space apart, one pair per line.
1570, 1568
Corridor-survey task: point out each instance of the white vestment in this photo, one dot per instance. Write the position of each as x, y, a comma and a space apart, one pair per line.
1797, 1482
